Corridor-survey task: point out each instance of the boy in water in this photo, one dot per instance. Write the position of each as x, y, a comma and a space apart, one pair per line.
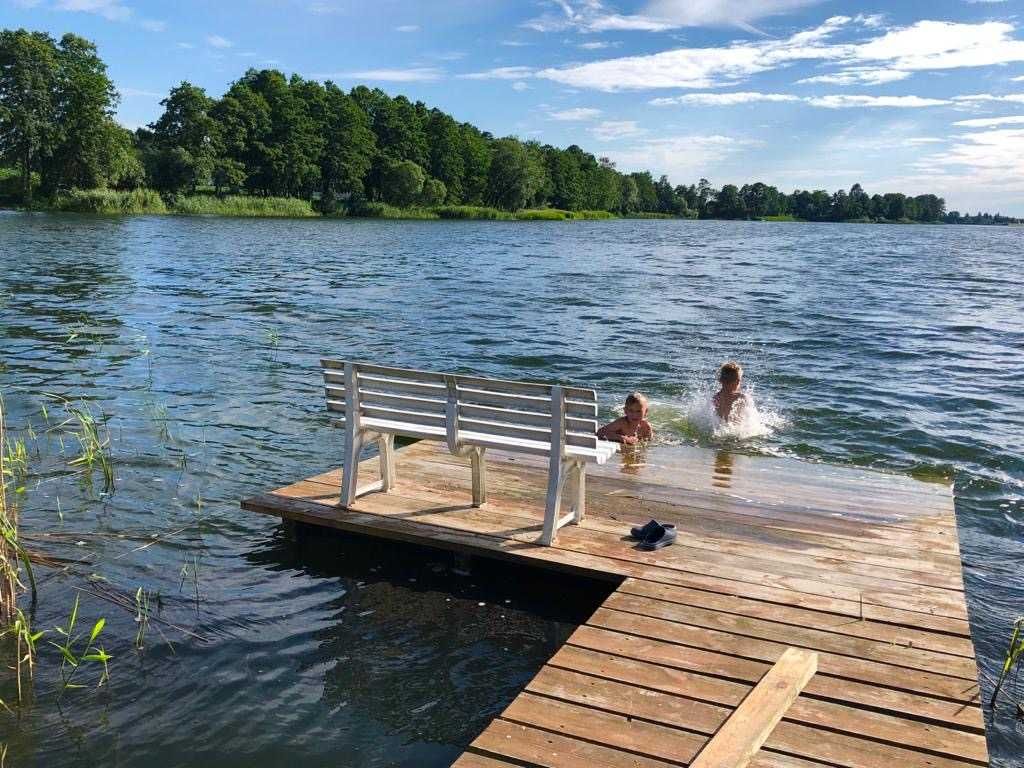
631, 428
729, 402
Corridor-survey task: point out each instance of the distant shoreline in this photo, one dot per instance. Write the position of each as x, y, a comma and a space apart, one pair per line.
247, 207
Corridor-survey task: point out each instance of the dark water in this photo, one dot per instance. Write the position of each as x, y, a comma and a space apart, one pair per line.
198, 339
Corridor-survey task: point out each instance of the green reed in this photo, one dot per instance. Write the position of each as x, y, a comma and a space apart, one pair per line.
141, 616
1014, 653
75, 654
94, 448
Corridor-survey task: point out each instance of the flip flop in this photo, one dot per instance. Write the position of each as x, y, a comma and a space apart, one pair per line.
662, 536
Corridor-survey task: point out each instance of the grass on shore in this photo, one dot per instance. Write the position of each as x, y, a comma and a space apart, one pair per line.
242, 205
148, 201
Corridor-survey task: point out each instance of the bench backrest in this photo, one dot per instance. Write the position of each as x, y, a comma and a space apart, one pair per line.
444, 405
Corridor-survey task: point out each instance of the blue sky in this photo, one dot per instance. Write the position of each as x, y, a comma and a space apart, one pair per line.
899, 96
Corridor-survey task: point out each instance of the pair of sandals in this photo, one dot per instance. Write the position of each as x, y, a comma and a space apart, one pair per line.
654, 535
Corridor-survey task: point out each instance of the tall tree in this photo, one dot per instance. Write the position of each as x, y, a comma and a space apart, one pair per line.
185, 136
29, 72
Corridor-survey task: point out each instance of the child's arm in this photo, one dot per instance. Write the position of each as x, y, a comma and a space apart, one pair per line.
646, 431
611, 432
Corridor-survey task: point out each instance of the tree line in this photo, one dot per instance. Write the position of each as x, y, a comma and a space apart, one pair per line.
272, 135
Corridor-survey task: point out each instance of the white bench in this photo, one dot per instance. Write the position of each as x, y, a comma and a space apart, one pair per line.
470, 414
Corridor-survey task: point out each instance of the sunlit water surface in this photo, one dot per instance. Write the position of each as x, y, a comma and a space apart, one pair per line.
197, 339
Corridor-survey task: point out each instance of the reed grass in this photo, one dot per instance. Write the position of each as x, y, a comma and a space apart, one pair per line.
373, 210
94, 448
1014, 653
477, 212
110, 202
243, 205
73, 659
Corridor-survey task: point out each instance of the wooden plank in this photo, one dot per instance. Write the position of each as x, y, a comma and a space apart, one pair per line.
489, 413
526, 403
809, 709
751, 723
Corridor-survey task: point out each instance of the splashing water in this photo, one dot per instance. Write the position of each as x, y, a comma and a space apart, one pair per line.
695, 419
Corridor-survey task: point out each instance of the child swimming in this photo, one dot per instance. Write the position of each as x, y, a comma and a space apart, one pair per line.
729, 401
631, 428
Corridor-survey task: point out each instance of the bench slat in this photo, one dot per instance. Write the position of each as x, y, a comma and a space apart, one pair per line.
401, 416
526, 433
418, 404
523, 388
525, 403
401, 387
529, 446
512, 416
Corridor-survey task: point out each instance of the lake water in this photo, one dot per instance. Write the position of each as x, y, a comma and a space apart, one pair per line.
197, 340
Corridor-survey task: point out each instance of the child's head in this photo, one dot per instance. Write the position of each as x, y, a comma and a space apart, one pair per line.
730, 374
636, 407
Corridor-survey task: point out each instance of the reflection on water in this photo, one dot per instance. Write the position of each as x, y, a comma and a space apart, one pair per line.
197, 340
721, 475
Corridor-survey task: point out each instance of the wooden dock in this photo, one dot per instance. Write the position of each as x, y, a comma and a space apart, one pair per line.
861, 567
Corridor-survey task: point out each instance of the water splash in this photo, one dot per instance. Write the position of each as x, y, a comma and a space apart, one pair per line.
694, 419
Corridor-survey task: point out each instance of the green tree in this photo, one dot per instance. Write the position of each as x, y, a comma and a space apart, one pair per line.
29, 72
402, 182
728, 204
185, 137
434, 192
513, 176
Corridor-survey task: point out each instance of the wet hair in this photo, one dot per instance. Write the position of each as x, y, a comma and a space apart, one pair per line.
730, 373
635, 398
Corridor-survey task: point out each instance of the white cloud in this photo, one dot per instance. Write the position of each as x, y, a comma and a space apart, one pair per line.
577, 113
680, 157
411, 75
859, 76
723, 99
499, 73
992, 159
844, 101
659, 15
887, 57
112, 10
325, 9
611, 130
519, 85
186, 46
514, 43
408, 28
980, 97
990, 122
153, 25
1017, 79
218, 42
596, 45
139, 93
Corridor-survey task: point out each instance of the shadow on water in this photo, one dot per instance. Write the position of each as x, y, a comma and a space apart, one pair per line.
422, 648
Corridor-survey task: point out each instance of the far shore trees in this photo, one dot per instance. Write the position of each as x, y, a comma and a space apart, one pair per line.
271, 135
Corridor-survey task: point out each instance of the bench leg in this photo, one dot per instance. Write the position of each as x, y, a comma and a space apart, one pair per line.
579, 509
386, 448
479, 477
556, 482
350, 472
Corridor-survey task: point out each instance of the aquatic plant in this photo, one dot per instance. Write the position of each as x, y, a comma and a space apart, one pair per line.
72, 659
141, 616
1014, 653
470, 212
110, 202
373, 210
94, 448
544, 214
243, 205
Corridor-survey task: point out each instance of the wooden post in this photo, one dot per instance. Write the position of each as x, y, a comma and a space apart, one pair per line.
752, 722
353, 437
556, 467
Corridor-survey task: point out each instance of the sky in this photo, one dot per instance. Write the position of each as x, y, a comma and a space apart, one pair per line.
907, 96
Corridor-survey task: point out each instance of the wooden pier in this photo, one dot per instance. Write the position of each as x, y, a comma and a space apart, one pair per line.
861, 567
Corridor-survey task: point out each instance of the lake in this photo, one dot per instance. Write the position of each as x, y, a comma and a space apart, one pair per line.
197, 341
